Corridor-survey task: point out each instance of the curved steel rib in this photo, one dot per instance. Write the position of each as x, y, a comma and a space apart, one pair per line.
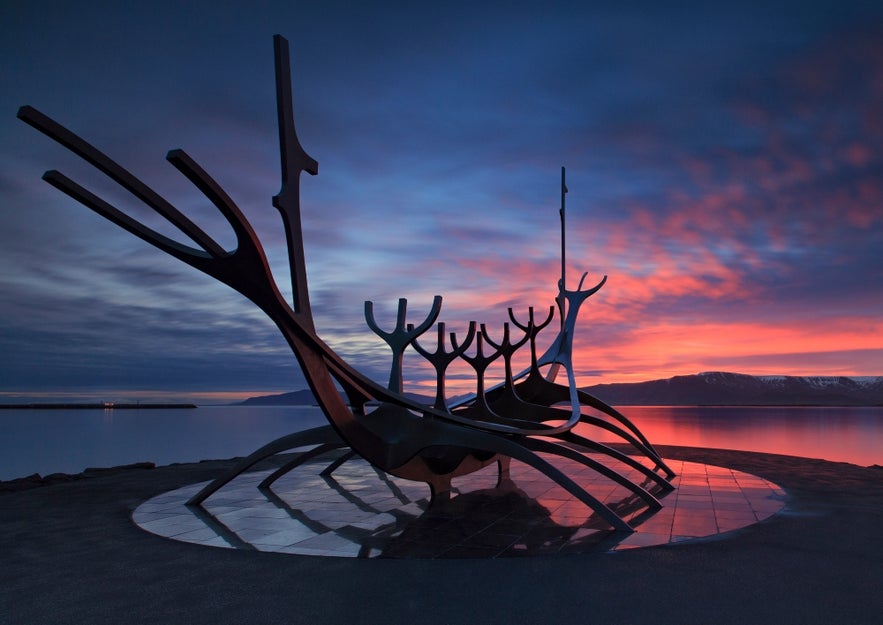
321, 435
299, 460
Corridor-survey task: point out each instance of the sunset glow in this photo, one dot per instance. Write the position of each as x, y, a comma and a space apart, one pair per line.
724, 172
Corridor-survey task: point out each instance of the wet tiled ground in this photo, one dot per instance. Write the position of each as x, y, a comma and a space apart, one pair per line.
361, 512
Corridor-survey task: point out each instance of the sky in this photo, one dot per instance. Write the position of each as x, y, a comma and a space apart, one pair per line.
723, 165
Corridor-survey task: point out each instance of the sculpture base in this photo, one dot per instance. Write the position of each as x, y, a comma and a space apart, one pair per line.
359, 512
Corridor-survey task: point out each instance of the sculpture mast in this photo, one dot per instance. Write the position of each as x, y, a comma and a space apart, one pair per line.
562, 297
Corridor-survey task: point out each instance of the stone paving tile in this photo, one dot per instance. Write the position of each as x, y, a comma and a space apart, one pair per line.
199, 535
358, 513
285, 537
644, 539
217, 541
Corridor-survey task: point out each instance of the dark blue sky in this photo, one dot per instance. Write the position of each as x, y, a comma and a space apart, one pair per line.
723, 163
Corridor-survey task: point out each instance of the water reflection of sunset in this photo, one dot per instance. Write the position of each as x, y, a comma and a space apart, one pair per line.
846, 434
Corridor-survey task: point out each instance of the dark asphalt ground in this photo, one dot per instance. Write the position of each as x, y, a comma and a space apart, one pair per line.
71, 554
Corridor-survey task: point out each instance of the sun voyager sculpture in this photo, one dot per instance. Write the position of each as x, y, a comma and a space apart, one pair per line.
528, 417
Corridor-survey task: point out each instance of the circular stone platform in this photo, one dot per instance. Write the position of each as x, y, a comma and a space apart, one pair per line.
361, 512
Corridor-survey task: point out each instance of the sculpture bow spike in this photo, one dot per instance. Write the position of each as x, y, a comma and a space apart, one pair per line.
294, 161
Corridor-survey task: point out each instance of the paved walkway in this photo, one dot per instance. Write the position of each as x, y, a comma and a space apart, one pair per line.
71, 554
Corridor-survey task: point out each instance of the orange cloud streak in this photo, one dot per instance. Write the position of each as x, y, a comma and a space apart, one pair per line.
666, 349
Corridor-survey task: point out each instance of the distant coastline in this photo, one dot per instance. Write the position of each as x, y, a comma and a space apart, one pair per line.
713, 388
95, 406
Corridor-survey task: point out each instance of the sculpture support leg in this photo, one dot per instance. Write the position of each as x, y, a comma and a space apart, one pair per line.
315, 436
439, 489
331, 468
297, 461
566, 452
504, 464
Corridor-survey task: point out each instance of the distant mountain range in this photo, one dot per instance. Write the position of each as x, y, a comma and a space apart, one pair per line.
296, 398
714, 388
718, 388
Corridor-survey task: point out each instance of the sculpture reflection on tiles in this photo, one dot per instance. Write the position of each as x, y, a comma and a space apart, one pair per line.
520, 419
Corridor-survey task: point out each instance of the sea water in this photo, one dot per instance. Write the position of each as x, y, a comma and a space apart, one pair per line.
68, 441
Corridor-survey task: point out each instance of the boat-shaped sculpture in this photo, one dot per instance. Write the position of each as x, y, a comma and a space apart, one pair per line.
528, 417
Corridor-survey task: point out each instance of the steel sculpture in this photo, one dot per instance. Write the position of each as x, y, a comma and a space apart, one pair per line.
519, 419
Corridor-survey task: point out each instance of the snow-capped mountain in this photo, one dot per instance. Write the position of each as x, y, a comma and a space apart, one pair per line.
736, 389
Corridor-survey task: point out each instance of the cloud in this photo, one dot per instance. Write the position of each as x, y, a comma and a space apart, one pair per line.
722, 166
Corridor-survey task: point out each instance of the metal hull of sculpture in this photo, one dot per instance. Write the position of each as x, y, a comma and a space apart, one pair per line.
519, 419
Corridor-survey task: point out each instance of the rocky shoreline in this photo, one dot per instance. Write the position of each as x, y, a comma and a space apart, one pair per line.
35, 480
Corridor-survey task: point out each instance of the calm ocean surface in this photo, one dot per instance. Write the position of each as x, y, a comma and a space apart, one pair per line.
68, 441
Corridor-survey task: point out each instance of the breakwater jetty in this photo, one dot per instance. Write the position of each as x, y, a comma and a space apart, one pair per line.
95, 406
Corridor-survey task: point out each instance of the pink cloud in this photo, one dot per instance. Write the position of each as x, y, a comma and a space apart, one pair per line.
663, 348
